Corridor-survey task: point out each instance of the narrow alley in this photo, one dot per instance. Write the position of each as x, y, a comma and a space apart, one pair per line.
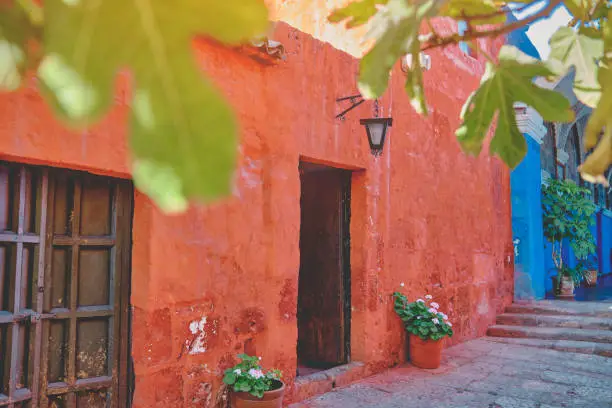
519, 370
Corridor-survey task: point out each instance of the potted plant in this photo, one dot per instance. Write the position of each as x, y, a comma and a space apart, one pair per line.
590, 266
250, 386
427, 327
567, 216
566, 280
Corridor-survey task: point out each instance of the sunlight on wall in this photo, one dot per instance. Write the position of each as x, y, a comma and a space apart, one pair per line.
310, 16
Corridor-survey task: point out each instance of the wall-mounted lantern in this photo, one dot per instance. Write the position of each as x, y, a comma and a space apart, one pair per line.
377, 130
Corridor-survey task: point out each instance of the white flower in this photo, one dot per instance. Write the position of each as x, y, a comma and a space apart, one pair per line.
237, 371
418, 317
257, 374
436, 321
428, 297
420, 301
432, 310
450, 324
442, 315
435, 305
402, 284
259, 358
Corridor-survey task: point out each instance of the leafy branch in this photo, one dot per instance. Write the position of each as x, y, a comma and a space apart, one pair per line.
509, 78
433, 41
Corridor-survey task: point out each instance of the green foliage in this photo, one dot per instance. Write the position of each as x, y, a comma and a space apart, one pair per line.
576, 274
15, 32
356, 14
396, 28
247, 376
183, 133
479, 11
568, 215
422, 317
584, 47
598, 133
574, 48
502, 85
568, 211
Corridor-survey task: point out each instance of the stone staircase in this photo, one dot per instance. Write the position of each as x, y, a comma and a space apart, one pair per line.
579, 327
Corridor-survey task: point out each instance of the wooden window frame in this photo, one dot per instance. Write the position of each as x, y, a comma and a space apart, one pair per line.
38, 317
563, 169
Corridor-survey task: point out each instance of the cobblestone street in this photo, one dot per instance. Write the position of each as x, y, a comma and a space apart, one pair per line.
485, 374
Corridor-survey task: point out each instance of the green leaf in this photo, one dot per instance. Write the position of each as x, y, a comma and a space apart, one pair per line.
398, 27
15, 31
242, 386
229, 378
600, 121
460, 9
575, 49
501, 86
357, 13
414, 82
183, 134
580, 9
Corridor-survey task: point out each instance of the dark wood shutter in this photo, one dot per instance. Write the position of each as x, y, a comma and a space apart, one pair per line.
64, 288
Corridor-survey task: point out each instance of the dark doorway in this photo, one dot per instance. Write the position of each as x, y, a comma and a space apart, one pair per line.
324, 304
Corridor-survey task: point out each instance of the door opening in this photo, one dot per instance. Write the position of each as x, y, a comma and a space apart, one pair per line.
324, 302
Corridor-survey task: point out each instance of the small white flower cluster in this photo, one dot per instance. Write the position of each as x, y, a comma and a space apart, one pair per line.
257, 374
434, 310
254, 373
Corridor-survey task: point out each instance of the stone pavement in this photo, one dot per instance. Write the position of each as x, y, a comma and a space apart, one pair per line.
485, 374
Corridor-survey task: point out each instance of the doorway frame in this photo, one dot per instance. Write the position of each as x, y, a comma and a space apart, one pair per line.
344, 253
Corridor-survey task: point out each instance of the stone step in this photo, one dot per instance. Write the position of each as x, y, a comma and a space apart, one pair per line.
582, 347
539, 320
551, 333
561, 307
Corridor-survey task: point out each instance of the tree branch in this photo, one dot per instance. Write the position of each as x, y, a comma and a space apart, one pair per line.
502, 11
435, 42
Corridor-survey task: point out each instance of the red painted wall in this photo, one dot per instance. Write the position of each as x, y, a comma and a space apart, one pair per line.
423, 213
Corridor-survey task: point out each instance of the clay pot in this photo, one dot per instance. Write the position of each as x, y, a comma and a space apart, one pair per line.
270, 399
590, 277
425, 353
567, 287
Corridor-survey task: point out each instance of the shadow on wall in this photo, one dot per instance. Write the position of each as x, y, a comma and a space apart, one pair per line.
523, 287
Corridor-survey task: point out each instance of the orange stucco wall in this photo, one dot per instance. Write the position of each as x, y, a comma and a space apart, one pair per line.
423, 213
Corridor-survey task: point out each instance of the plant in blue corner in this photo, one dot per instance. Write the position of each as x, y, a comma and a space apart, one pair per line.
567, 217
248, 377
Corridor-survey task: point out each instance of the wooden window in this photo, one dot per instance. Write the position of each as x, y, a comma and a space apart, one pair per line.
64, 279
560, 171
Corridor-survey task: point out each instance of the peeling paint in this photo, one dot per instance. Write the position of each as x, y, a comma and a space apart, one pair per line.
198, 345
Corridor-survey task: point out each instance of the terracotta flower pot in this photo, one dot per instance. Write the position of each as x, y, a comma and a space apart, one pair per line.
425, 353
590, 277
270, 399
567, 287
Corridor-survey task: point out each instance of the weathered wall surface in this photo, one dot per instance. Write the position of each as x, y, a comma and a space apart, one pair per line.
222, 279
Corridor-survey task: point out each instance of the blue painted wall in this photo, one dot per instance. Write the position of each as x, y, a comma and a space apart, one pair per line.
519, 39
526, 190
605, 243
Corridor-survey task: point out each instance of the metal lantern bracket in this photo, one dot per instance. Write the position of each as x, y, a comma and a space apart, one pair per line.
355, 101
